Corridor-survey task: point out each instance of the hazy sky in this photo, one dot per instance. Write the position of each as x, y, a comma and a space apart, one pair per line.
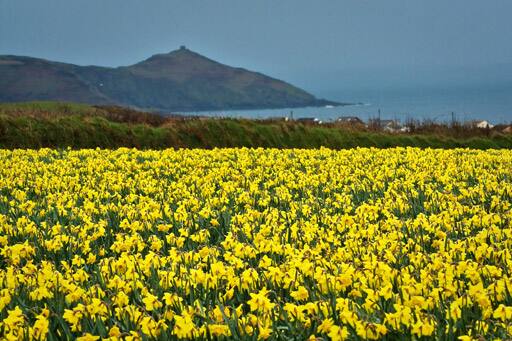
320, 45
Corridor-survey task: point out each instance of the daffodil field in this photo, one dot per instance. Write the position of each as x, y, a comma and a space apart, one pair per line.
398, 243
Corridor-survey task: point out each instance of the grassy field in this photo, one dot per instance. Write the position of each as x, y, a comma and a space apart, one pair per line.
60, 125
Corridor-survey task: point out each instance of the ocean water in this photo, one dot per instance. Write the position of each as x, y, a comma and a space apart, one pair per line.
473, 102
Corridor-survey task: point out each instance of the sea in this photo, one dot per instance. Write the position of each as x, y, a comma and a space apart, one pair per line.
492, 103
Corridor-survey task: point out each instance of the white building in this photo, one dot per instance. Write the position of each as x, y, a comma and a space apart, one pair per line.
483, 125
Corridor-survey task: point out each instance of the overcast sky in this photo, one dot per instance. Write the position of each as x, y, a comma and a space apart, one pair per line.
319, 45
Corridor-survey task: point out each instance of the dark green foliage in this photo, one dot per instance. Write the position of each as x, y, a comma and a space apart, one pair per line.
61, 125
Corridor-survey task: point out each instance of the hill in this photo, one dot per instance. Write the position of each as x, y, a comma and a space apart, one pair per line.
181, 80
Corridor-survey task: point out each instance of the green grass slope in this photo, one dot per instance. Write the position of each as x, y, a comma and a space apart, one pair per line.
61, 125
